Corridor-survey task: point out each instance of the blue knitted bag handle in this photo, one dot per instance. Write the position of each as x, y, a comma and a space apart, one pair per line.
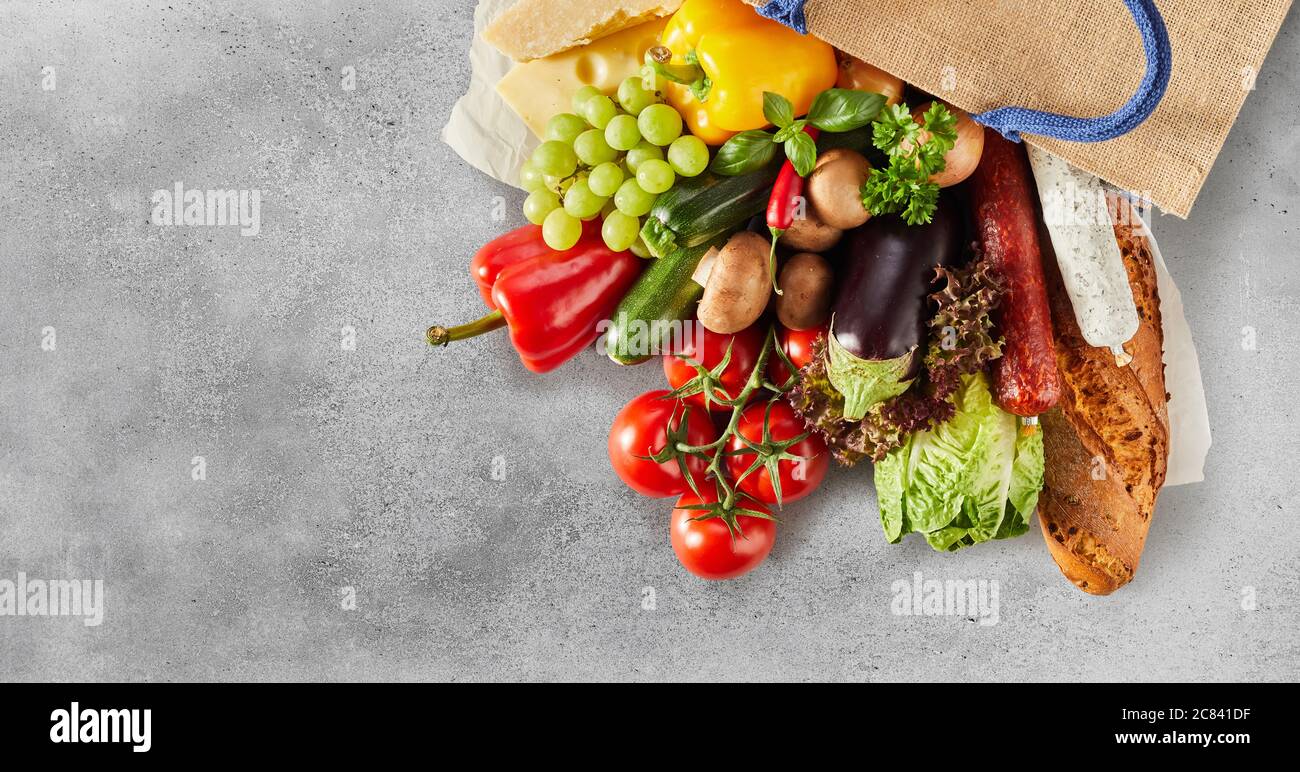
1011, 121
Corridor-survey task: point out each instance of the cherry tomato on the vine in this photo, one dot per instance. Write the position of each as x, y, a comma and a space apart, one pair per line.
706, 547
798, 346
745, 348
642, 428
798, 478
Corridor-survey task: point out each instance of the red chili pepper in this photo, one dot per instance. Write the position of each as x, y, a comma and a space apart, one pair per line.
552, 301
787, 193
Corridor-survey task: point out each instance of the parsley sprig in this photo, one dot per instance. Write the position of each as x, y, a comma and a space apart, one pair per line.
915, 153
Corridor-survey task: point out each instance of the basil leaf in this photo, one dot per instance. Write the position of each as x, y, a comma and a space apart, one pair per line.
777, 110
789, 131
842, 109
743, 153
802, 152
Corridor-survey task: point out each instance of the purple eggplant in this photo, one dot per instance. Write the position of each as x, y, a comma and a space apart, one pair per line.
887, 269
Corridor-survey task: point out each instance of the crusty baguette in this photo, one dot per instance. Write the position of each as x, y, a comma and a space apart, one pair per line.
1107, 442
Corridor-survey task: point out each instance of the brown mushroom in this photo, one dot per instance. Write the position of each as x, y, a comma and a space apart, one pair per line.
835, 188
810, 234
807, 281
738, 286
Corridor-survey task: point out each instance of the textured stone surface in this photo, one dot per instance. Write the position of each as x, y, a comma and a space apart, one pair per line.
372, 468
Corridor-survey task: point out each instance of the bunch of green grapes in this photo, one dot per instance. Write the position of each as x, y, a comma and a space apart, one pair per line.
608, 158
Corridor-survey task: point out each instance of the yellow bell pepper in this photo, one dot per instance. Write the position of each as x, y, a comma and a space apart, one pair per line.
727, 54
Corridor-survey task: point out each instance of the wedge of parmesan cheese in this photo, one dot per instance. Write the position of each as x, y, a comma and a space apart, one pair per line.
541, 88
532, 29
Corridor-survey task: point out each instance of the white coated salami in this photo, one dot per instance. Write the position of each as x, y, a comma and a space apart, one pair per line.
1074, 209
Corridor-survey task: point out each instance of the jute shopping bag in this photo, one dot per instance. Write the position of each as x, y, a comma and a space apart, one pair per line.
1072, 57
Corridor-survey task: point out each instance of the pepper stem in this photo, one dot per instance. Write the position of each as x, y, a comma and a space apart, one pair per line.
441, 336
660, 58
771, 259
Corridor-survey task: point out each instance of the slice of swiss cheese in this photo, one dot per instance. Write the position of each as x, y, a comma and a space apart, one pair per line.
541, 88
532, 29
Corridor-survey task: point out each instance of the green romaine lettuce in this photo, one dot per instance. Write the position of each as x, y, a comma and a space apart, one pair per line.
1026, 482
972, 478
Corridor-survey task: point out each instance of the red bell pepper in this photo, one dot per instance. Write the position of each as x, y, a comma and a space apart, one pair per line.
516, 246
552, 301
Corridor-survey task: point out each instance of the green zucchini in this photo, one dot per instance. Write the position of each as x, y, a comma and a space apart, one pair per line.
700, 208
652, 311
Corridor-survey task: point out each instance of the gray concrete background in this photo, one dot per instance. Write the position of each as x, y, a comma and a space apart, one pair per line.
371, 468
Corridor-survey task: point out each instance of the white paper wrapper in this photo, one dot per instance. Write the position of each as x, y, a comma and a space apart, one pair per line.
483, 129
1189, 418
485, 132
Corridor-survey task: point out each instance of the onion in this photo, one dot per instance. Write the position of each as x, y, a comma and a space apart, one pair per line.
965, 154
858, 75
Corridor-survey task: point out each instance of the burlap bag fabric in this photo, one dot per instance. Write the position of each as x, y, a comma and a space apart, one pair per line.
1076, 57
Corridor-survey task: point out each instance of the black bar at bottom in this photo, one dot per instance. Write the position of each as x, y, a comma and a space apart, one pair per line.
558, 722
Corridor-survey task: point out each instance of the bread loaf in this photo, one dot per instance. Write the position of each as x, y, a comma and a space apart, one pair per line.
1107, 441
